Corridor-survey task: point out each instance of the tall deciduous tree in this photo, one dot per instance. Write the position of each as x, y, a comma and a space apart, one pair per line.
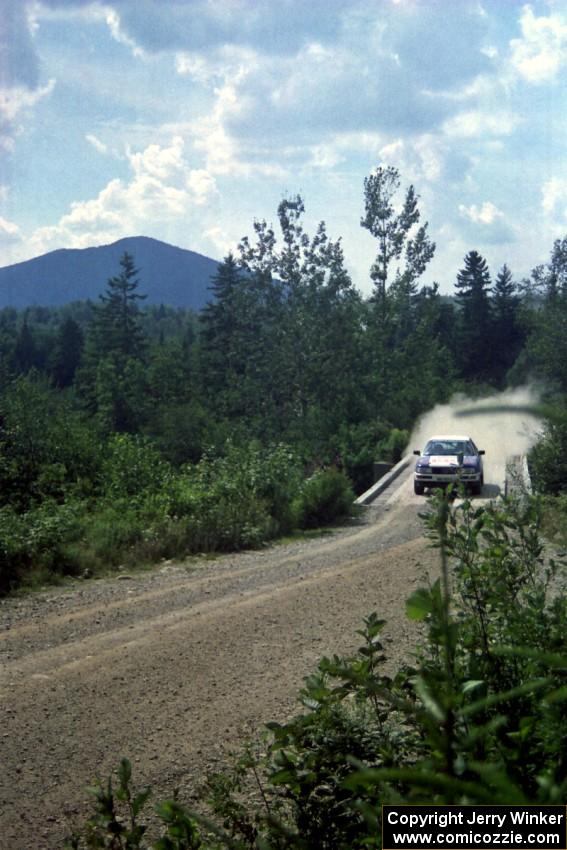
403, 254
312, 321
392, 231
547, 344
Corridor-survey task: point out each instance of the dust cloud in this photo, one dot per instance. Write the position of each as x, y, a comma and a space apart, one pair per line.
500, 432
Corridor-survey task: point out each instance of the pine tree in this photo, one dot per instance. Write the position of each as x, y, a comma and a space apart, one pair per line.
67, 353
508, 337
219, 322
118, 319
114, 352
25, 350
474, 334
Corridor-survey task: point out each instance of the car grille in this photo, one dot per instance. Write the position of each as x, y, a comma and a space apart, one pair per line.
444, 470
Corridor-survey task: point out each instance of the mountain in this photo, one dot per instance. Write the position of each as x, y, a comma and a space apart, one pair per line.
167, 275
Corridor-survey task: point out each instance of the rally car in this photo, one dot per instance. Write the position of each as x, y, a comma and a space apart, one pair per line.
449, 460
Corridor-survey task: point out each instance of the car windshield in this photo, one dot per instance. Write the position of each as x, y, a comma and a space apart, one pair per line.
449, 447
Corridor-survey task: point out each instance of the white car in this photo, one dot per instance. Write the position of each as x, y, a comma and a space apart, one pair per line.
449, 459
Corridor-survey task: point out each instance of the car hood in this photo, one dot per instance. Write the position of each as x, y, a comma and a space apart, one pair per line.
447, 460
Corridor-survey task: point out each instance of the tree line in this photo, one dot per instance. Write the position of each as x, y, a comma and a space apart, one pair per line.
287, 351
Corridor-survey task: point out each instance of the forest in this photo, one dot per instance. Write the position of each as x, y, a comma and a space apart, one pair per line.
132, 433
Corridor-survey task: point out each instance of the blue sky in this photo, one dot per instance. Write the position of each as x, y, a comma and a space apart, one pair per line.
186, 119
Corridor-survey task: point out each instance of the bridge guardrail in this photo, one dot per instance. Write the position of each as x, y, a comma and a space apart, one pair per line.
384, 482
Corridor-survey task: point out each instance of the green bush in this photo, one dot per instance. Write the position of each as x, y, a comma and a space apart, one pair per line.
237, 499
47, 449
116, 821
229, 502
131, 466
355, 445
110, 530
391, 448
479, 718
548, 458
35, 542
324, 498
145, 510
14, 559
224, 503
554, 518
219, 516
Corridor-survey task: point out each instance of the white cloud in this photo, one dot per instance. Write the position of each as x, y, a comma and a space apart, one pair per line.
490, 51
9, 232
486, 214
542, 51
159, 162
428, 159
554, 194
223, 151
479, 123
96, 143
194, 66
13, 101
163, 189
420, 159
201, 184
89, 12
338, 147
290, 84
317, 95
488, 222
112, 19
228, 63
220, 240
479, 87
326, 156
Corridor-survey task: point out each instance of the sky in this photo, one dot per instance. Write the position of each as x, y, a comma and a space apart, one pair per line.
186, 120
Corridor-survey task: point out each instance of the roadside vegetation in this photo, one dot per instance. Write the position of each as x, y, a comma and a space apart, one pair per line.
479, 715
130, 433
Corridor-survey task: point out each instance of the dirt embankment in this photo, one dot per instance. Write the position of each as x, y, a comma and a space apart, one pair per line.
171, 668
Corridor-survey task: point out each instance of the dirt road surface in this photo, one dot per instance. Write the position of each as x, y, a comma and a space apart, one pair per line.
172, 667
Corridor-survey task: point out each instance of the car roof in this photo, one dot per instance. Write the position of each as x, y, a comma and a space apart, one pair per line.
450, 437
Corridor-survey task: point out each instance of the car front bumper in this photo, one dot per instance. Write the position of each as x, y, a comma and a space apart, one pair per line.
442, 479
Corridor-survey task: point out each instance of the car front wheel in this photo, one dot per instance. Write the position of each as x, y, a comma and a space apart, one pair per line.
418, 488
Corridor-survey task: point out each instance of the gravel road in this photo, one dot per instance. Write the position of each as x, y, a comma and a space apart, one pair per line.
174, 666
